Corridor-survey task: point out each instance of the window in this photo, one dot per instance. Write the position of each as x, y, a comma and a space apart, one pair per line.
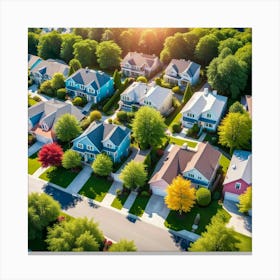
199, 177
191, 175
90, 148
208, 115
90, 90
82, 87
109, 145
81, 146
72, 84
237, 186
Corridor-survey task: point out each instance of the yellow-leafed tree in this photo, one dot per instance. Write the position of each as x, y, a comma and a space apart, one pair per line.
180, 195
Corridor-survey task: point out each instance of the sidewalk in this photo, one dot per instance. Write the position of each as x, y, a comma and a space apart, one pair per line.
35, 148
111, 195
39, 171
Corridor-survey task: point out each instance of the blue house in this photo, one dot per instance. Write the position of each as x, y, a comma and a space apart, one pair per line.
114, 140
92, 84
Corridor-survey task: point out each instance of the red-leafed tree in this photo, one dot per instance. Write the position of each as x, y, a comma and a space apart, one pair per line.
50, 155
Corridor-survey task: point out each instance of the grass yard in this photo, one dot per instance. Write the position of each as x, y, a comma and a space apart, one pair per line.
95, 188
185, 221
31, 102
59, 176
224, 162
33, 164
246, 242
173, 115
139, 205
177, 119
180, 142
120, 200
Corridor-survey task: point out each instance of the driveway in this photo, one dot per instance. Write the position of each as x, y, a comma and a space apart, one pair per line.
35, 148
240, 222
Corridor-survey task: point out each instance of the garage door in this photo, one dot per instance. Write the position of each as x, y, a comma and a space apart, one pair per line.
231, 197
158, 191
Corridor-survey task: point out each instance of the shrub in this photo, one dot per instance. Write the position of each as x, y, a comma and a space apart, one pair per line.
142, 79
79, 101
85, 123
61, 93
176, 127
115, 121
158, 81
36, 98
114, 99
31, 139
176, 89
130, 115
110, 120
122, 116
46, 88
165, 84
118, 192
95, 116
203, 196
145, 193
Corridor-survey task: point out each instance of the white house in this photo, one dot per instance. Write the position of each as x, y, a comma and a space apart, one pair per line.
204, 108
180, 72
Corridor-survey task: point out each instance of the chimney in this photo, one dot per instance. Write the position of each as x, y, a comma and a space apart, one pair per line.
86, 69
233, 166
184, 146
214, 92
205, 91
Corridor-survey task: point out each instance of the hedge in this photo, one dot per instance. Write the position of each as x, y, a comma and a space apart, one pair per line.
114, 99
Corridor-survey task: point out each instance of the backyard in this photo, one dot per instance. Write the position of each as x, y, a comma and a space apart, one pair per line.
96, 188
180, 142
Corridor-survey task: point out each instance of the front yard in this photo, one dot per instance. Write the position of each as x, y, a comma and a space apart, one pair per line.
139, 205
180, 142
246, 242
33, 164
59, 176
120, 200
96, 188
185, 221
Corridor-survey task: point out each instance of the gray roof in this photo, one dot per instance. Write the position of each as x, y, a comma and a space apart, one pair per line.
32, 59
182, 65
52, 110
240, 167
50, 67
136, 91
139, 59
157, 95
85, 76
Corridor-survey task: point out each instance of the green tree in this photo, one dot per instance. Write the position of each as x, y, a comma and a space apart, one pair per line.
83, 32
68, 40
231, 43
228, 75
187, 94
57, 81
67, 128
245, 54
207, 49
33, 40
148, 41
108, 55
123, 246
95, 116
245, 201
142, 79
148, 127
127, 40
134, 175
42, 210
78, 235
95, 33
203, 196
235, 131
216, 238
84, 51
49, 45
236, 107
71, 159
75, 65
102, 165
117, 79
107, 35
46, 88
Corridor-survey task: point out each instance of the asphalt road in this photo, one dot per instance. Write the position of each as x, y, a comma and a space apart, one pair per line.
148, 238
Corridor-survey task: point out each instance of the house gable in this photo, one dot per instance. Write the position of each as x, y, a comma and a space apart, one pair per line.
195, 175
87, 145
108, 144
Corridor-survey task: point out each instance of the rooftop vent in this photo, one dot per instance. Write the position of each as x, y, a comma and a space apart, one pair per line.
86, 69
234, 166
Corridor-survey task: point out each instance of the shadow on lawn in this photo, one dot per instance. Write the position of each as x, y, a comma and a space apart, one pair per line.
65, 199
182, 243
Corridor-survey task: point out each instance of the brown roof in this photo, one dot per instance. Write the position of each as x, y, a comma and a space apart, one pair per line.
249, 103
179, 161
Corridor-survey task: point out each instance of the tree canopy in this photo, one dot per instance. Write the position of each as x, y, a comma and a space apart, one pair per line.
245, 201
102, 165
123, 246
236, 107
42, 210
148, 127
232, 43
180, 195
235, 131
67, 128
50, 155
33, 40
134, 175
57, 81
78, 235
148, 41
75, 65
71, 159
68, 40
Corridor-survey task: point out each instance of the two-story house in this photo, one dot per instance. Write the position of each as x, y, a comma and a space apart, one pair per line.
138, 64
45, 70
114, 140
200, 167
91, 84
140, 94
204, 108
181, 72
239, 175
43, 116
33, 60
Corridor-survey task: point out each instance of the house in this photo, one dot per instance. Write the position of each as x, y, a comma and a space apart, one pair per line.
43, 116
200, 167
140, 94
33, 61
181, 72
91, 84
46, 69
114, 140
246, 101
204, 108
138, 64
239, 175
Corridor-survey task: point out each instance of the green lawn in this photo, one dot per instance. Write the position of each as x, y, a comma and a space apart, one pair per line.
180, 142
173, 115
120, 200
31, 101
33, 164
224, 162
59, 176
185, 221
246, 242
139, 205
177, 119
95, 188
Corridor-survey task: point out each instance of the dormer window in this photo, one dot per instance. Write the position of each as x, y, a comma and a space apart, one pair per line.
90, 148
80, 146
72, 84
208, 115
109, 145
82, 87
